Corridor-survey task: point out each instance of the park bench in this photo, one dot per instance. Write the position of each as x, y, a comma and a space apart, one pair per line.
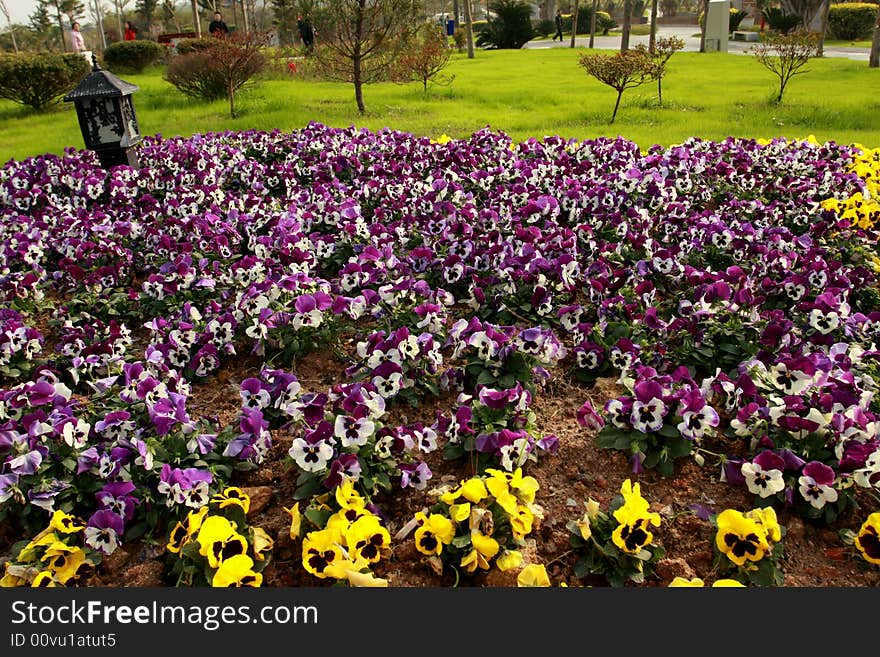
745, 35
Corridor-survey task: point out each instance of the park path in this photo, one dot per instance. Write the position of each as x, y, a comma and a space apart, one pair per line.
691, 42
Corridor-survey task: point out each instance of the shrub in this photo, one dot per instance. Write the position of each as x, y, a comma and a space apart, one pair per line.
545, 28
425, 59
133, 56
604, 22
779, 21
736, 17
186, 46
852, 21
510, 28
197, 75
220, 69
38, 80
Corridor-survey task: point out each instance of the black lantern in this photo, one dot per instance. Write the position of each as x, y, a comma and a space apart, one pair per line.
106, 116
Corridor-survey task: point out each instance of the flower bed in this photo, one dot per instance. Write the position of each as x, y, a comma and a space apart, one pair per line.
728, 289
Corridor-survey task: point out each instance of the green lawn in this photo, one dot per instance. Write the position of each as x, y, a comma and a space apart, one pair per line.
524, 93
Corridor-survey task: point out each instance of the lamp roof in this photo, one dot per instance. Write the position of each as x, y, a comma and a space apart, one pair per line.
100, 84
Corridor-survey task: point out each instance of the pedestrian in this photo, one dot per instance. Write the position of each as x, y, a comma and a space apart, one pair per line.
217, 28
306, 32
558, 25
130, 32
76, 38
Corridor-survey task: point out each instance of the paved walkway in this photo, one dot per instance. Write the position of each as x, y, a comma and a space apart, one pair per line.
691, 43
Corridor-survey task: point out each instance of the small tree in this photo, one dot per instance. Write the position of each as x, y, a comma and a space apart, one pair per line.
785, 55
620, 71
222, 69
426, 58
664, 49
362, 39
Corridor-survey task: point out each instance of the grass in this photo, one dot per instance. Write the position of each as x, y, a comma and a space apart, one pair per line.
524, 93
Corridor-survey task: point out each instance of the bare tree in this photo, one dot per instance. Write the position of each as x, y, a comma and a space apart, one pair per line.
9, 20
574, 23
96, 9
196, 20
362, 39
785, 55
73, 9
425, 60
119, 8
664, 49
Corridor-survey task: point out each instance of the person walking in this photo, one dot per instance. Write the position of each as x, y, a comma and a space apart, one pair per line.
76, 38
130, 32
558, 20
306, 32
217, 28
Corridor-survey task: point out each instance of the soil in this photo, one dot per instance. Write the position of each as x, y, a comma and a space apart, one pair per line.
814, 556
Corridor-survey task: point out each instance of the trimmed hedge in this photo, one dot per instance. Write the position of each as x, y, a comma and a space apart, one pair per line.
39, 80
852, 21
133, 56
186, 46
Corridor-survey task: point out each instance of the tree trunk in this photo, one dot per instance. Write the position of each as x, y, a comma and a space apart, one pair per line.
469, 28
358, 86
231, 91
196, 21
652, 40
61, 29
574, 23
616, 105
874, 58
705, 9
627, 25
244, 16
119, 20
823, 27
99, 14
9, 20
593, 23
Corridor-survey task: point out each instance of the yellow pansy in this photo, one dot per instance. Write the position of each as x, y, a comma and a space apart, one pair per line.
508, 560
232, 496
219, 540
535, 574
66, 523
460, 512
433, 533
295, 520
237, 571
320, 550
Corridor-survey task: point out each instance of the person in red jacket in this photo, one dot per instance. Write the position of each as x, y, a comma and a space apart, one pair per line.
130, 32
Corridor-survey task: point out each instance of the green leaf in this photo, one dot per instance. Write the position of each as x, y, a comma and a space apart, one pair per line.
669, 431
462, 541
